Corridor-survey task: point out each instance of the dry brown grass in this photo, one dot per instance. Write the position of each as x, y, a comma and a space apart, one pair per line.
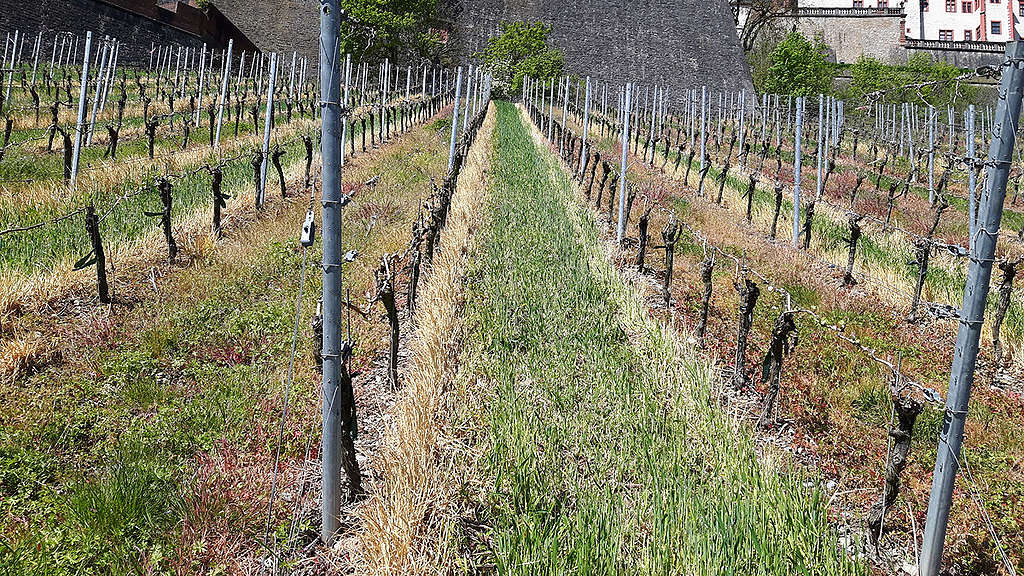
410, 521
22, 355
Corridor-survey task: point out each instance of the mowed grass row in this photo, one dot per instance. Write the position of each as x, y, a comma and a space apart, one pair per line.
605, 452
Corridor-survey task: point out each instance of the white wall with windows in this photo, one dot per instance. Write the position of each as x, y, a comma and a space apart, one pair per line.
963, 20
848, 3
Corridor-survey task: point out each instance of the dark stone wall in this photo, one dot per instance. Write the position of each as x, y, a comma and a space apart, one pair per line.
960, 58
279, 25
81, 16
680, 43
136, 23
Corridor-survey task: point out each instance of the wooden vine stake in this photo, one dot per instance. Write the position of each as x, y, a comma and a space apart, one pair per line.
855, 233
275, 158
748, 293
749, 195
385, 277
906, 411
922, 250
641, 251
308, 143
96, 257
670, 235
1009, 270
151, 126
257, 162
778, 208
164, 188
783, 340
219, 199
593, 170
707, 267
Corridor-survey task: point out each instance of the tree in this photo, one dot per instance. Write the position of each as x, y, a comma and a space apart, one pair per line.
921, 80
401, 30
520, 50
757, 17
799, 67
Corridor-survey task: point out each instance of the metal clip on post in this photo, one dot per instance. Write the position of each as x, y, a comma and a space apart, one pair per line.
308, 230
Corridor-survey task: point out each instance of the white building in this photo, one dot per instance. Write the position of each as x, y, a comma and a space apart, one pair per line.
963, 20
966, 33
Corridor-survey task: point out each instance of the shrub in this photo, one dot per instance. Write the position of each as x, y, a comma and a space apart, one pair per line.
897, 84
520, 50
799, 67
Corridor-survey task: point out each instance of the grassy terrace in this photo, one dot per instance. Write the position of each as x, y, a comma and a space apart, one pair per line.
605, 452
148, 449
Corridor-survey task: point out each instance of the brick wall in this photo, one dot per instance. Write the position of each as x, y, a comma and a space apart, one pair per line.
136, 23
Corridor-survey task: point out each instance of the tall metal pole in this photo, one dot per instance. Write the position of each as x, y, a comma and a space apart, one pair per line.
931, 154
622, 169
76, 154
267, 127
465, 107
821, 142
586, 125
972, 312
565, 110
96, 93
199, 89
223, 92
344, 125
455, 122
334, 431
972, 209
703, 125
796, 170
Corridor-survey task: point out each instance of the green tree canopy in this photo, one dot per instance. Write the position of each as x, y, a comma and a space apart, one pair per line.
401, 30
799, 67
921, 80
520, 50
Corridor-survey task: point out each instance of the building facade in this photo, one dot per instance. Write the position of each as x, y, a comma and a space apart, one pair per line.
965, 33
963, 20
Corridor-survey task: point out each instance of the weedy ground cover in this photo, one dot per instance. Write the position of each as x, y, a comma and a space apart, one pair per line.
835, 404
604, 450
149, 445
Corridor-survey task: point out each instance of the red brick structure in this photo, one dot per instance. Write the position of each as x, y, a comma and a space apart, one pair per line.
138, 24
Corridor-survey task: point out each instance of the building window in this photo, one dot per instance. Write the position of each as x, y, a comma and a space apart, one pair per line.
860, 3
883, 4
924, 5
950, 5
1021, 8
994, 1
968, 35
946, 35
997, 27
968, 6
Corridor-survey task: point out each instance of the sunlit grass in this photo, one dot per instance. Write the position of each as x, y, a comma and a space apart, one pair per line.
605, 452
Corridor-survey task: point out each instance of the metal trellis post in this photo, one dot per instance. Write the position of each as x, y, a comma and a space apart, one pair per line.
972, 312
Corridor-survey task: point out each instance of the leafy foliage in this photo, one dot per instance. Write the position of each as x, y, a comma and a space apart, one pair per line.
799, 67
897, 84
520, 50
395, 29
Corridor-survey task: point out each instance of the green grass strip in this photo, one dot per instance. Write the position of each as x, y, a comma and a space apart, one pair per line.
605, 451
